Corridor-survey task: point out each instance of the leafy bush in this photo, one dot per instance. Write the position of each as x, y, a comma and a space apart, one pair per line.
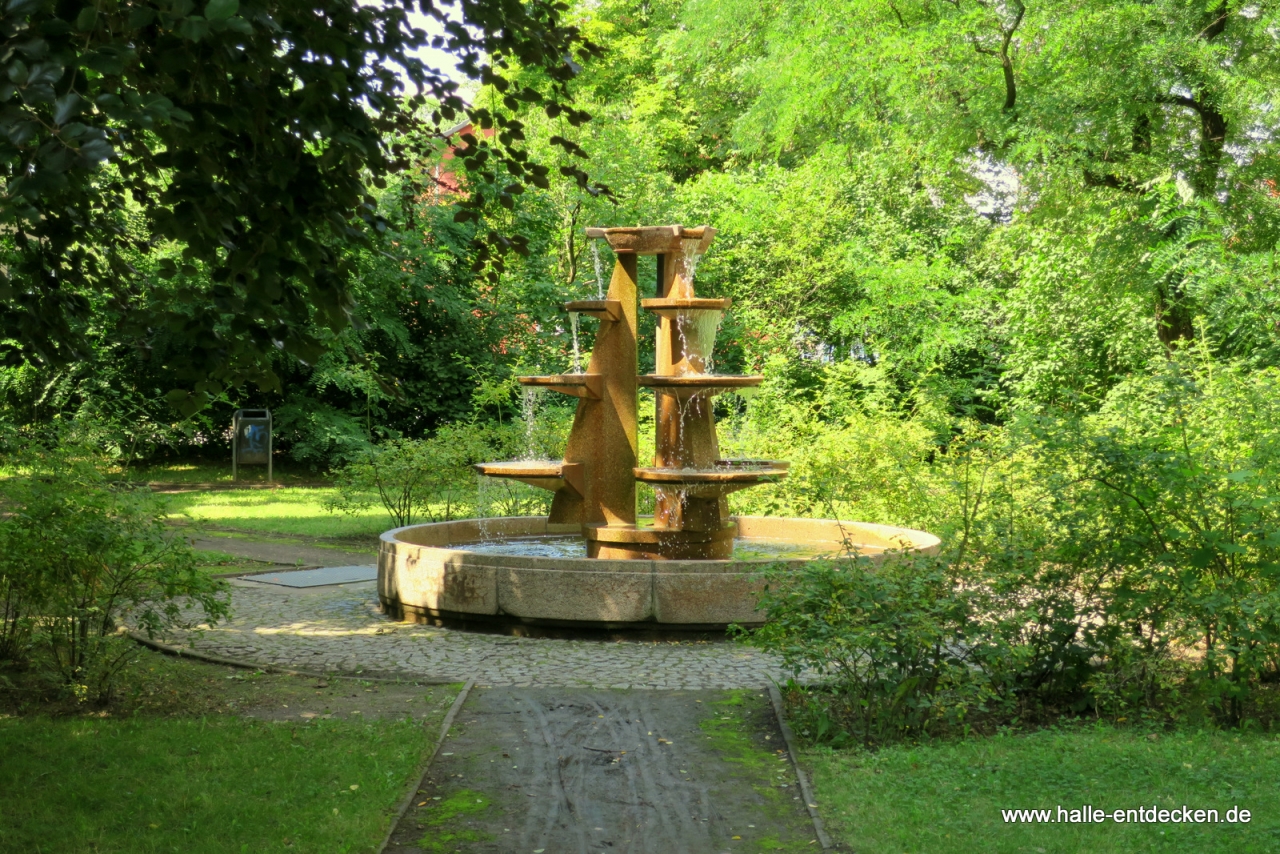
851, 455
79, 554
319, 434
414, 479
890, 641
1115, 563
19, 596
432, 479
1190, 460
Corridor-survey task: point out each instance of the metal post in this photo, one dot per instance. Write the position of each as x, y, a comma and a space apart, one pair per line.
271, 436
235, 446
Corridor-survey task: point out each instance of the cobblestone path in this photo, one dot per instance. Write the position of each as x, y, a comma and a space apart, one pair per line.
340, 629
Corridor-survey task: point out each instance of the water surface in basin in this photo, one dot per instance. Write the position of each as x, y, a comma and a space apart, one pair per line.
572, 546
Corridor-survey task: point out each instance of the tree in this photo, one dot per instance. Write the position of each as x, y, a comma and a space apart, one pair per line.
1138, 143
238, 143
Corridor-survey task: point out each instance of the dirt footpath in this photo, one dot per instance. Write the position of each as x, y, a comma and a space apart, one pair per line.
580, 772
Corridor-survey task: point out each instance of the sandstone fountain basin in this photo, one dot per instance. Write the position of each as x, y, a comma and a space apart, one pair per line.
593, 563
450, 573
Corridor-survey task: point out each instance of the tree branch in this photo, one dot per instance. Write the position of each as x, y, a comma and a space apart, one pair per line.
898, 15
1006, 64
1213, 137
1218, 24
1181, 101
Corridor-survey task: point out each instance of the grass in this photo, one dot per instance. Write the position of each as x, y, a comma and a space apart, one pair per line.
196, 758
296, 511
216, 785
299, 511
948, 797
222, 563
285, 472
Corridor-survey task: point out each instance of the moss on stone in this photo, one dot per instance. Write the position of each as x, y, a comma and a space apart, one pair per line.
444, 817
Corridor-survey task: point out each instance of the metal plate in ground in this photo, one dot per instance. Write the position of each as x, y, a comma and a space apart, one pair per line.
322, 577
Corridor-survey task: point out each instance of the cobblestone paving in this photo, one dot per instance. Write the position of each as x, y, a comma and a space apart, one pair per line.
340, 629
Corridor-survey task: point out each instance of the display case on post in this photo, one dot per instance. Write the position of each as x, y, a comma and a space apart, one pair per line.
251, 440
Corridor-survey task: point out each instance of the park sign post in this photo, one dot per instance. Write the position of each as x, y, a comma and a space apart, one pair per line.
250, 440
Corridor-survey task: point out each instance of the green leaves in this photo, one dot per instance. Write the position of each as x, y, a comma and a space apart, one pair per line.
891, 640
221, 10
83, 551
87, 19
247, 147
67, 107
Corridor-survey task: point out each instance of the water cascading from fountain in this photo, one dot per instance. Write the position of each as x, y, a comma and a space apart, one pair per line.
696, 332
486, 488
577, 354
599, 268
529, 412
691, 250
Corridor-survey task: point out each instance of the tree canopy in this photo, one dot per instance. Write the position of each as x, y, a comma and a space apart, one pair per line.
965, 209
239, 147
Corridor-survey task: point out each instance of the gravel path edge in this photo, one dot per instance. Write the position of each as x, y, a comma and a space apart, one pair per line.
180, 652
407, 800
806, 791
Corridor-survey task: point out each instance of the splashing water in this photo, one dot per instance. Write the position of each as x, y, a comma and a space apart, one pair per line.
691, 258
595, 260
676, 498
696, 331
484, 506
577, 354
686, 409
529, 410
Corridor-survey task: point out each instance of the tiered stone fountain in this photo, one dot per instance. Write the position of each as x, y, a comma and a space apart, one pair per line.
676, 571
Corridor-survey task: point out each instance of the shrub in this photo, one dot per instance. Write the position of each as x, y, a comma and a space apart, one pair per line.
432, 479
1120, 562
891, 643
413, 479
19, 598
851, 457
79, 554
1189, 459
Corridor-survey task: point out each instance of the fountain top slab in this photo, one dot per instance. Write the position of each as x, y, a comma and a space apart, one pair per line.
655, 239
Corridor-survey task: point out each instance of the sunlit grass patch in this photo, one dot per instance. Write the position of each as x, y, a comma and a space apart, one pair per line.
205, 759
947, 797
288, 510
178, 472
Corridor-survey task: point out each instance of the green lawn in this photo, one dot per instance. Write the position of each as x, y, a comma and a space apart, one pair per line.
947, 797
207, 760
285, 473
222, 563
209, 785
288, 510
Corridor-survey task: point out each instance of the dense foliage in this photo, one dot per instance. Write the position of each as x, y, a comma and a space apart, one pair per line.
81, 557
1109, 563
1009, 269
232, 151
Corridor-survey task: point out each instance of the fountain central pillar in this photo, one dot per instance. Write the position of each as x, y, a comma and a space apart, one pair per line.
603, 438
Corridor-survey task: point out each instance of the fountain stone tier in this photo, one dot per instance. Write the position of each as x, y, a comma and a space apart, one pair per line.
451, 570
